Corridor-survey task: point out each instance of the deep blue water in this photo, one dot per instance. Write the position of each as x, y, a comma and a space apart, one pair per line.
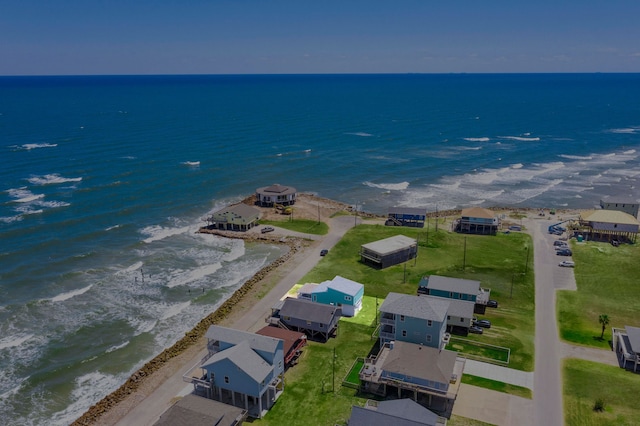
104, 179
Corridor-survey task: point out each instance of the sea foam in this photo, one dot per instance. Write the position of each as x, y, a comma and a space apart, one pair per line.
388, 186
66, 296
51, 179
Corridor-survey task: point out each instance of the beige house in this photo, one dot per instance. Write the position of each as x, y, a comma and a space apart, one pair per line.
237, 217
606, 225
268, 196
477, 220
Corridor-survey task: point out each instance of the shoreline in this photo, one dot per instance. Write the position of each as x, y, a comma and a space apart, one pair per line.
115, 406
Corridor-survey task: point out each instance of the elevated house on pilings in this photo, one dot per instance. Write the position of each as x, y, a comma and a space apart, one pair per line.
276, 194
607, 225
406, 216
237, 217
627, 206
477, 220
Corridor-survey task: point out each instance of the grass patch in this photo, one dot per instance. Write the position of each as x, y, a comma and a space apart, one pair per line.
607, 284
497, 386
586, 384
300, 225
477, 350
354, 374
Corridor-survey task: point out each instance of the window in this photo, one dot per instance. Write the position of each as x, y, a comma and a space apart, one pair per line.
401, 317
287, 318
321, 325
461, 319
428, 338
348, 298
308, 322
404, 333
226, 379
448, 317
429, 323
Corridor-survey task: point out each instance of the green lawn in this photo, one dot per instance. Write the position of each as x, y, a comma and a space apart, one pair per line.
585, 382
300, 225
607, 284
497, 386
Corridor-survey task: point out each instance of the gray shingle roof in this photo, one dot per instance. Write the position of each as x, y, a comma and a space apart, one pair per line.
434, 309
458, 285
343, 285
458, 308
245, 359
229, 335
195, 410
390, 245
420, 361
309, 311
634, 338
396, 413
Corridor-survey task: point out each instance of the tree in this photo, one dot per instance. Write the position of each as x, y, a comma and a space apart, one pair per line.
603, 319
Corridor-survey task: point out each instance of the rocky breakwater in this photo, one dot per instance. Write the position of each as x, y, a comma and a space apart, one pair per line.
95, 412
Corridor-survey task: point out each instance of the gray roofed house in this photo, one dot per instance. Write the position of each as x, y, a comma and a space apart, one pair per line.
389, 251
237, 217
193, 410
626, 343
457, 285
456, 288
315, 319
267, 196
257, 342
244, 359
416, 307
397, 412
423, 362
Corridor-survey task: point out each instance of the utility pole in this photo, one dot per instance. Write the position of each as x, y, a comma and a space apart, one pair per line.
436, 218
464, 257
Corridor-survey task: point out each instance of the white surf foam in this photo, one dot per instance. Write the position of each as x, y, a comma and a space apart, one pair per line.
29, 146
174, 310
112, 227
12, 341
133, 267
484, 139
625, 130
362, 134
116, 347
23, 195
182, 277
576, 157
388, 186
157, 233
50, 179
191, 163
66, 296
519, 138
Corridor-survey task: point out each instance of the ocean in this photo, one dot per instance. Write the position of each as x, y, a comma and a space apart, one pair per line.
105, 179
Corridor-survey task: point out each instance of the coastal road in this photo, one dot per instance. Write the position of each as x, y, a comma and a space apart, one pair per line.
149, 407
547, 379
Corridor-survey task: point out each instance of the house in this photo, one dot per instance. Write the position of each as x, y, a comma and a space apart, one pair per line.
237, 217
194, 410
389, 251
406, 216
241, 369
426, 374
626, 206
456, 288
294, 341
315, 319
268, 196
339, 291
459, 315
414, 319
476, 220
607, 225
397, 412
626, 343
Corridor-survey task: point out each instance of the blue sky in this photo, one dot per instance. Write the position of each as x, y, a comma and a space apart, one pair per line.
73, 37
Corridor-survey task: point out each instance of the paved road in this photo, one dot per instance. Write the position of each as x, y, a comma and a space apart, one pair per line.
547, 380
148, 410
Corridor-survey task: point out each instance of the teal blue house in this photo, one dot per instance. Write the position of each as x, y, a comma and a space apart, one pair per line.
414, 319
340, 292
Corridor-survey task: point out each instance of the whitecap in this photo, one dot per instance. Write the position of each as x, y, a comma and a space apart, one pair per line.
12, 341
66, 296
625, 130
23, 195
576, 157
517, 166
388, 186
133, 267
112, 227
182, 277
50, 179
484, 139
307, 150
174, 310
363, 134
11, 219
116, 347
29, 146
191, 163
629, 152
157, 233
519, 138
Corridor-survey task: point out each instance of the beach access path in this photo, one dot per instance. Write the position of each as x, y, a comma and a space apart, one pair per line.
147, 405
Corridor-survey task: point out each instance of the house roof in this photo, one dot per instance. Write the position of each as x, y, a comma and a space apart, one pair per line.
309, 311
276, 188
609, 216
634, 338
341, 284
244, 359
457, 307
427, 308
240, 209
290, 337
478, 212
232, 336
390, 245
195, 410
457, 285
307, 288
420, 361
399, 412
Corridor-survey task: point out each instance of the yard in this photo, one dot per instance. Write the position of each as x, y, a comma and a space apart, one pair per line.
607, 284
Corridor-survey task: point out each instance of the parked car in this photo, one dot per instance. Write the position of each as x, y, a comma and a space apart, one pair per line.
492, 304
266, 229
559, 243
324, 252
515, 228
564, 247
475, 330
484, 323
567, 263
564, 252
